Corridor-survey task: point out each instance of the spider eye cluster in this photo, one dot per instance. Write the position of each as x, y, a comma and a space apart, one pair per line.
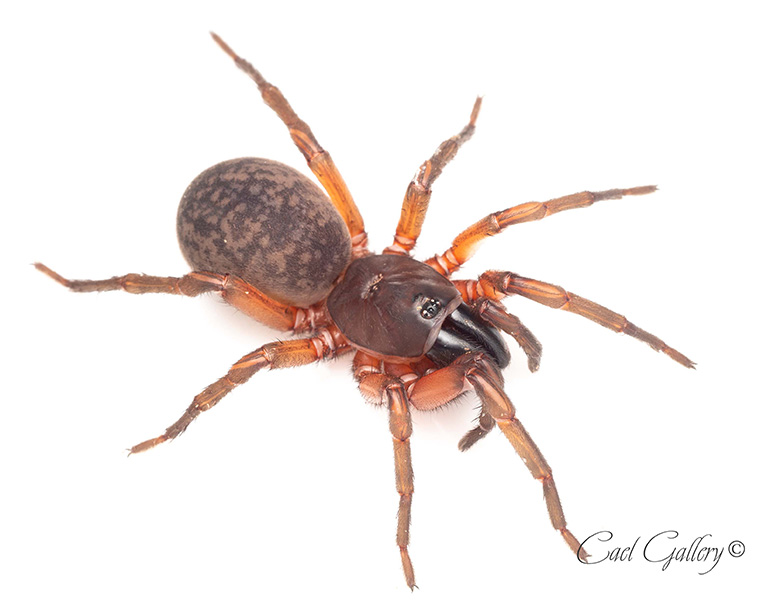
430, 308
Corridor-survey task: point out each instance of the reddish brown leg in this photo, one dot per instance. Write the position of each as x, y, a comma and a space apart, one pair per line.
495, 314
500, 408
417, 194
388, 390
480, 431
466, 243
318, 159
475, 371
498, 284
326, 344
235, 291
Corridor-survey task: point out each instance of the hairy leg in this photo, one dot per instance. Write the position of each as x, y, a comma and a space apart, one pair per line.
477, 372
417, 197
281, 354
235, 291
466, 243
319, 160
496, 285
390, 391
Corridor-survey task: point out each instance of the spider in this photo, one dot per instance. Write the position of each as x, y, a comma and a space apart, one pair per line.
269, 241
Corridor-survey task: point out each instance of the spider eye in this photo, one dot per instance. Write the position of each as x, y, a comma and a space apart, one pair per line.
430, 308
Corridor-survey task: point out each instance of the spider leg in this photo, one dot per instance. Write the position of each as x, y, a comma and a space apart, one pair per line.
319, 160
235, 291
498, 284
477, 433
466, 243
281, 354
495, 314
388, 390
418, 193
500, 408
476, 371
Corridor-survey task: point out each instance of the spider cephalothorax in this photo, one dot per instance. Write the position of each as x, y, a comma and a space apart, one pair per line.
392, 305
273, 245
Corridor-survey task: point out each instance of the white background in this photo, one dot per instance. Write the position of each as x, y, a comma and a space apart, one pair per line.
285, 491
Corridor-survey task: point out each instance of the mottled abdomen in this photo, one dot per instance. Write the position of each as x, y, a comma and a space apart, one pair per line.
267, 224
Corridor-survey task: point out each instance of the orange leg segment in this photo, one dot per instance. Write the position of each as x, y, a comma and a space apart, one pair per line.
466, 243
281, 354
235, 291
476, 371
498, 284
495, 314
498, 406
390, 391
417, 195
319, 160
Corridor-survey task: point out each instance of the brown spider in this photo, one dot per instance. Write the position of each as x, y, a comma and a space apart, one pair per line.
271, 244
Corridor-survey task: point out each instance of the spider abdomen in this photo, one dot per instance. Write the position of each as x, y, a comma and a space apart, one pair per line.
266, 223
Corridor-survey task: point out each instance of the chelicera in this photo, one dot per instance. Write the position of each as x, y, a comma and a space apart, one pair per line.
270, 242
